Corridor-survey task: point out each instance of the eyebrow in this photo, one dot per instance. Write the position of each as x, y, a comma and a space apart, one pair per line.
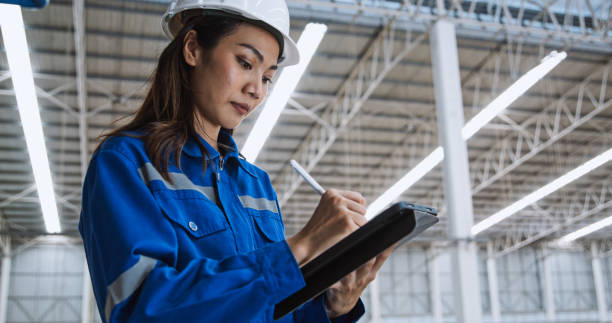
258, 54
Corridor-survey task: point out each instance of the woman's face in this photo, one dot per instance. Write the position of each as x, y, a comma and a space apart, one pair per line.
232, 79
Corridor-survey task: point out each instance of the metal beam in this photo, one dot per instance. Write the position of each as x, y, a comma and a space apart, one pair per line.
532, 18
302, 110
605, 248
5, 75
357, 88
407, 154
599, 283
540, 131
395, 164
374, 287
5, 281
527, 18
573, 209
547, 287
78, 11
379, 102
449, 108
86, 302
55, 101
434, 285
5, 239
493, 287
19, 196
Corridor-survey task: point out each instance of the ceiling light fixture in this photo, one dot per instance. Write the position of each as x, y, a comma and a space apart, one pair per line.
567, 239
494, 108
18, 56
285, 85
413, 176
543, 192
518, 88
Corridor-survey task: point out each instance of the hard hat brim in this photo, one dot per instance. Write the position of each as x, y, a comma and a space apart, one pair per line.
291, 54
171, 25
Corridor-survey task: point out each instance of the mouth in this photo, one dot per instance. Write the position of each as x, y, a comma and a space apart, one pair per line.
241, 108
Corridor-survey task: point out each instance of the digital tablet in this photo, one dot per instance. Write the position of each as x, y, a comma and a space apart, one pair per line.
398, 223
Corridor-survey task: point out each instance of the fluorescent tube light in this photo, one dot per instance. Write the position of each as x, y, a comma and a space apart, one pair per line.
15, 44
518, 88
427, 164
567, 239
283, 88
474, 125
543, 192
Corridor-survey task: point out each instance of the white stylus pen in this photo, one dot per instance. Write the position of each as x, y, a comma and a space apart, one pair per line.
311, 181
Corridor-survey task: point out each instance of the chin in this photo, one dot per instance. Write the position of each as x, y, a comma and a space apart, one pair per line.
231, 124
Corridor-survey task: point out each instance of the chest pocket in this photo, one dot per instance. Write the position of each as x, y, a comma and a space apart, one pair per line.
200, 225
267, 219
269, 226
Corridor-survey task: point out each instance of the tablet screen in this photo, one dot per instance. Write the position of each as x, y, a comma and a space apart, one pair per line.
398, 223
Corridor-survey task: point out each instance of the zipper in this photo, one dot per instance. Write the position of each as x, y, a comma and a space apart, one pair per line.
220, 168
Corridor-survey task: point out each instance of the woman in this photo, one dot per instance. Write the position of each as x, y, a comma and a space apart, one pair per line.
176, 225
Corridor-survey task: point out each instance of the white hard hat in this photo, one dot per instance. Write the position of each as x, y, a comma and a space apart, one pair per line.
270, 14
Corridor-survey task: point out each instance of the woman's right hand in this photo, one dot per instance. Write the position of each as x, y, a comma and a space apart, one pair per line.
338, 214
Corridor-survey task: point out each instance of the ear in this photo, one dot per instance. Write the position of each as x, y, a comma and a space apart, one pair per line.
191, 48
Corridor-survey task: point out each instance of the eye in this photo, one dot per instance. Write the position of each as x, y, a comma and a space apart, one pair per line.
267, 80
246, 65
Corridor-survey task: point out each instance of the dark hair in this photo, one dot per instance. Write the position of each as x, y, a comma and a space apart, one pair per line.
166, 116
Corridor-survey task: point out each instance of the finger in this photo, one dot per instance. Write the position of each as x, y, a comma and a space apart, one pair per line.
346, 281
355, 207
391, 248
354, 196
368, 266
358, 219
337, 285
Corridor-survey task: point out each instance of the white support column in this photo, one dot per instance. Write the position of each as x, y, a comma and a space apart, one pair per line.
5, 280
434, 286
457, 191
78, 13
375, 300
493, 289
549, 297
600, 283
86, 301
78, 16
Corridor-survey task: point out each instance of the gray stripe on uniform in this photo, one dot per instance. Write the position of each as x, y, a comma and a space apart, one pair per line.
127, 283
260, 204
180, 181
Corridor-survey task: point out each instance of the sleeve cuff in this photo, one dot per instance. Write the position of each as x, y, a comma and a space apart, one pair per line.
282, 270
314, 311
353, 316
285, 277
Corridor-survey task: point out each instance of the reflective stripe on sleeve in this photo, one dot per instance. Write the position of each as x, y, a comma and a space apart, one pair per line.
149, 173
127, 283
260, 204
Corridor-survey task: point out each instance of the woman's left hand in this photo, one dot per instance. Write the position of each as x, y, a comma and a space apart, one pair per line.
342, 296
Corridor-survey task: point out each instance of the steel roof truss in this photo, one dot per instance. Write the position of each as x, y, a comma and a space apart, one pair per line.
582, 205
538, 133
363, 80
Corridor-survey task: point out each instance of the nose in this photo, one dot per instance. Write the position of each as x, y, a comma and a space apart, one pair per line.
254, 88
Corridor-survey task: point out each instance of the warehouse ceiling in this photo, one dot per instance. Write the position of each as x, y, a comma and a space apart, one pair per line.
363, 114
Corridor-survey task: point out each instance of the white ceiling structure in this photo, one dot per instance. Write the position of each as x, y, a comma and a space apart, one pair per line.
363, 114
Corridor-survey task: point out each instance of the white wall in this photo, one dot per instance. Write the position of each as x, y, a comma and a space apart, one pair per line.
520, 291
607, 276
46, 286
46, 283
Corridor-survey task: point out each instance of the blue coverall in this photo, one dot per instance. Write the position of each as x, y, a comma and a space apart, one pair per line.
206, 247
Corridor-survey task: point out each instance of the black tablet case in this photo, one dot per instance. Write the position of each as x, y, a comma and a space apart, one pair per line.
400, 222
